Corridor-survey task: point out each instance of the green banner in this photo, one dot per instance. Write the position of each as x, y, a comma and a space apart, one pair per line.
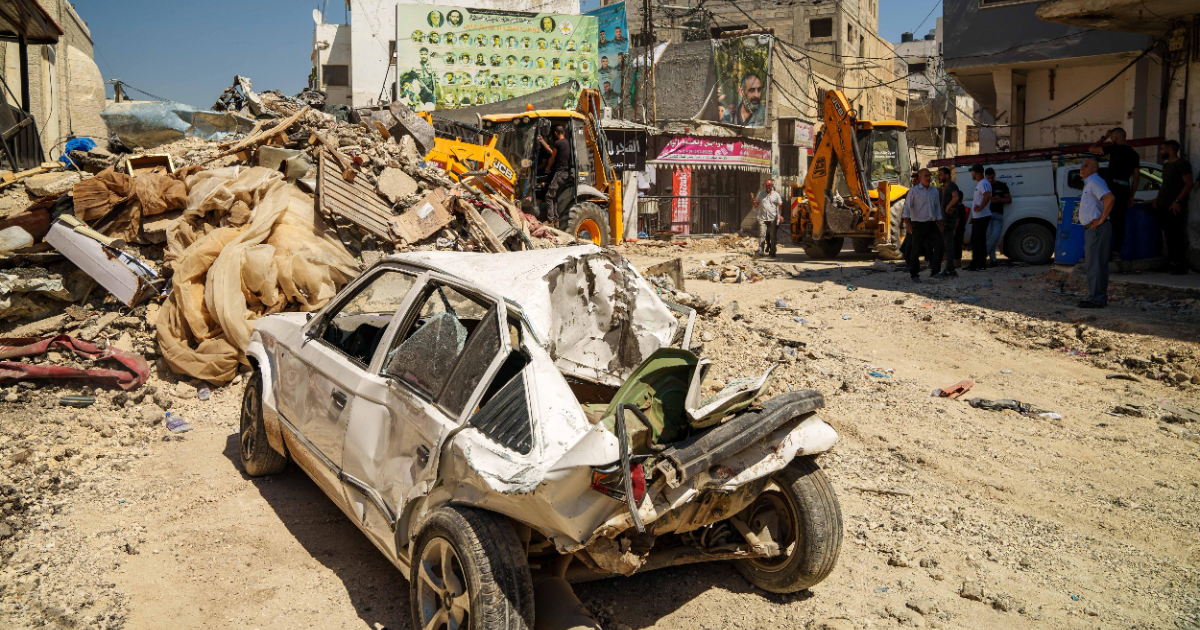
459, 57
743, 78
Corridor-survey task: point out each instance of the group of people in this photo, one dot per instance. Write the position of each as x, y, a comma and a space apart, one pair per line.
935, 221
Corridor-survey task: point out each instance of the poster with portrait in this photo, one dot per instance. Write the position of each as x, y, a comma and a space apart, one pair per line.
459, 57
613, 43
743, 78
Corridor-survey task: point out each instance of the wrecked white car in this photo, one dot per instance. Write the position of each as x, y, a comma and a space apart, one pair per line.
487, 418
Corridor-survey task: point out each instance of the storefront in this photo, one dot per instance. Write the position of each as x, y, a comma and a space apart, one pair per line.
699, 184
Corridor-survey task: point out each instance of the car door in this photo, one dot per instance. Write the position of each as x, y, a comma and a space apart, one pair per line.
432, 371
331, 362
1149, 181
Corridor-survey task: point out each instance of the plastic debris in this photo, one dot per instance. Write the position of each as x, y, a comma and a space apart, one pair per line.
1051, 415
955, 390
77, 401
203, 393
780, 303
1006, 371
800, 320
845, 317
878, 374
176, 424
851, 287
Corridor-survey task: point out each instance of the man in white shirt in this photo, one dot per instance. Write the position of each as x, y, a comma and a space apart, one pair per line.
1095, 204
981, 215
923, 224
769, 207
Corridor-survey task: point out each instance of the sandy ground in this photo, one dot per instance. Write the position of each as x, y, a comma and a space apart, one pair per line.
955, 517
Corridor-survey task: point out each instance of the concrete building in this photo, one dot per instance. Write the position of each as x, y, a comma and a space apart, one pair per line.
1028, 74
66, 90
355, 63
1178, 23
938, 112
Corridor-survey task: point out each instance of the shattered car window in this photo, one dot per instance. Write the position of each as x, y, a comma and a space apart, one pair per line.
357, 327
425, 355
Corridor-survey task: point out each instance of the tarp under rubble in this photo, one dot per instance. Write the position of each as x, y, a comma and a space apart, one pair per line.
248, 245
149, 125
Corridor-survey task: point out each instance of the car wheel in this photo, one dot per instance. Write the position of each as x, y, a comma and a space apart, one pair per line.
802, 515
863, 244
258, 458
589, 222
824, 249
1030, 243
469, 570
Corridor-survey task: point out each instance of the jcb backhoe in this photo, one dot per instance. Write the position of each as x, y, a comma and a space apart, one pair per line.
855, 186
512, 163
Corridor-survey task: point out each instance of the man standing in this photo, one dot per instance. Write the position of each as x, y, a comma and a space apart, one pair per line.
768, 205
1095, 204
981, 215
1122, 180
748, 111
559, 163
952, 218
1000, 196
923, 223
1171, 205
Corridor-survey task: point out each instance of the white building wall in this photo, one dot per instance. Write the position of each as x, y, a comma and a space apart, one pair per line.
331, 46
373, 28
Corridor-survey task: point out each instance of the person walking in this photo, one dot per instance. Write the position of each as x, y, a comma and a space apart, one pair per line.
952, 218
1171, 205
1095, 205
981, 215
923, 224
768, 204
1000, 196
1122, 178
558, 163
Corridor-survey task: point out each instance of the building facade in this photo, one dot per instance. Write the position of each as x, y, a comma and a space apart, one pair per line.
66, 90
355, 63
940, 115
1044, 83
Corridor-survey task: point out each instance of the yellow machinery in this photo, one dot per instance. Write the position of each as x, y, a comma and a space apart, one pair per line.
511, 162
863, 201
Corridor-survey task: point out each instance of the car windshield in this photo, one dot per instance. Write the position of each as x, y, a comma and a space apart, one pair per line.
888, 152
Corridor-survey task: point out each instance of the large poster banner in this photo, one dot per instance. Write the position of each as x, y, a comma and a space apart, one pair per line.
613, 49
626, 149
715, 153
681, 206
459, 57
743, 78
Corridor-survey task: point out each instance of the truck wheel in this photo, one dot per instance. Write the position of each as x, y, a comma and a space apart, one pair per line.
258, 458
1030, 243
802, 515
589, 222
824, 249
891, 249
469, 570
863, 244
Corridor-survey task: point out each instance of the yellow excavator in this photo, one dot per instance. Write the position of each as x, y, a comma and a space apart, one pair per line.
510, 162
855, 185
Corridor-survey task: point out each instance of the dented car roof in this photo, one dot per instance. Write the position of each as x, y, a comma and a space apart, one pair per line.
594, 313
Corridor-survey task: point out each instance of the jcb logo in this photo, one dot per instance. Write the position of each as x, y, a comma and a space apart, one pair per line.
819, 167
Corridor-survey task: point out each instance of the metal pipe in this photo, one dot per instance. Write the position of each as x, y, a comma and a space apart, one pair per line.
23, 47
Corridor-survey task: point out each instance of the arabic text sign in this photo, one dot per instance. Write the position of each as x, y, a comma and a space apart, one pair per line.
804, 135
730, 152
459, 57
681, 206
613, 43
626, 149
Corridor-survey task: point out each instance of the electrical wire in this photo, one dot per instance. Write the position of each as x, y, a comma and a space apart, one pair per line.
935, 6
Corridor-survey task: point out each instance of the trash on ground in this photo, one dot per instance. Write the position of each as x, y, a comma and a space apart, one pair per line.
176, 424
845, 317
955, 390
127, 277
1005, 404
135, 371
77, 401
878, 374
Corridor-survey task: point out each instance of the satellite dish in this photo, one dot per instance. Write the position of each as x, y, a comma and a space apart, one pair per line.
317, 16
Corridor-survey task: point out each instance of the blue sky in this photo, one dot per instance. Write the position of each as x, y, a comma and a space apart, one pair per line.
189, 51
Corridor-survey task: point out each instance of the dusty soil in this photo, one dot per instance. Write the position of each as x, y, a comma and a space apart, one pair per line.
955, 517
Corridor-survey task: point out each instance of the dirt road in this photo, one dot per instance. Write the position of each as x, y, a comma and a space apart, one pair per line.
955, 517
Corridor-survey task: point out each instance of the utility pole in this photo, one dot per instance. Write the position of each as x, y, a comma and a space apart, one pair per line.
648, 66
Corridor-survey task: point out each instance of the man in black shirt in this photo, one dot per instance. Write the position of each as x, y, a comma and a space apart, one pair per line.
1000, 197
952, 217
1122, 180
559, 163
1171, 205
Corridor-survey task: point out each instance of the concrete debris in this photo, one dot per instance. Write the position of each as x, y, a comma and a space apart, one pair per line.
51, 183
395, 185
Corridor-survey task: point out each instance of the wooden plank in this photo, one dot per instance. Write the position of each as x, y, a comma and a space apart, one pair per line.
353, 201
479, 228
256, 140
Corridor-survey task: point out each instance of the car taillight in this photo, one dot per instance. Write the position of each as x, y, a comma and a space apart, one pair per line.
609, 481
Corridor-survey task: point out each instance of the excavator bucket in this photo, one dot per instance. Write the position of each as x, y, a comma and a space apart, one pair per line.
407, 122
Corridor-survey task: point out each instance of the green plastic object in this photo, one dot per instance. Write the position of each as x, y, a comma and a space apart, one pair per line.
659, 388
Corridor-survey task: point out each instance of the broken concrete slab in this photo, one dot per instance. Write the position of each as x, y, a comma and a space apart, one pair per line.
394, 185
52, 183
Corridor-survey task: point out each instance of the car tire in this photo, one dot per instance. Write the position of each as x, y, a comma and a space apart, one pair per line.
863, 244
589, 222
258, 458
824, 249
490, 589
809, 532
1030, 243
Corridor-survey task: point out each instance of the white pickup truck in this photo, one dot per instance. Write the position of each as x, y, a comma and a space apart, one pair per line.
1031, 220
